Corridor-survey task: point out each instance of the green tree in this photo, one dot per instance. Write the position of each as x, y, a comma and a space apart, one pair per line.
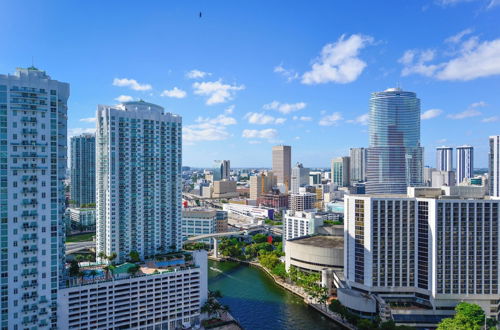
259, 238
467, 316
280, 270
112, 257
134, 256
364, 324
74, 268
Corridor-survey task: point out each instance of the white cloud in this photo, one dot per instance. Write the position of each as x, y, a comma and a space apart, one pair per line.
451, 2
197, 74
330, 120
459, 36
284, 108
338, 61
79, 130
131, 83
230, 109
493, 3
124, 98
473, 59
471, 111
254, 142
88, 120
361, 120
491, 119
302, 118
431, 113
290, 75
208, 129
263, 119
216, 91
175, 93
268, 133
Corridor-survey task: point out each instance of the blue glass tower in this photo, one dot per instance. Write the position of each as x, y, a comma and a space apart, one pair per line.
394, 157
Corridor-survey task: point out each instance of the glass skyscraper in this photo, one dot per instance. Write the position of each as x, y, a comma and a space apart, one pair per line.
83, 169
394, 157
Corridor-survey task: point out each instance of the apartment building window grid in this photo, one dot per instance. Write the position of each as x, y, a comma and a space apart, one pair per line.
359, 257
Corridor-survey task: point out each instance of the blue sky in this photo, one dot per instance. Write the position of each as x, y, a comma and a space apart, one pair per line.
248, 75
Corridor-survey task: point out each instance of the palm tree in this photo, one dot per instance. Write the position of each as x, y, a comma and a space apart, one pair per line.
112, 257
79, 258
93, 273
102, 256
81, 275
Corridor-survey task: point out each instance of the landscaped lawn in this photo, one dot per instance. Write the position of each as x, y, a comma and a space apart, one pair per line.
80, 238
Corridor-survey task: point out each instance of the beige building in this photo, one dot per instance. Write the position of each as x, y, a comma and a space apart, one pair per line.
314, 253
224, 189
282, 164
261, 183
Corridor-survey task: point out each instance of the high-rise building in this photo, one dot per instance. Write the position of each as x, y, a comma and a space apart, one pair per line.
282, 164
340, 171
303, 201
300, 177
82, 169
444, 158
299, 224
394, 156
465, 163
138, 180
222, 168
437, 245
494, 166
33, 118
261, 184
357, 171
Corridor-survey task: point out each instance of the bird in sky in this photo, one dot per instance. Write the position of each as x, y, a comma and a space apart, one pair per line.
200, 14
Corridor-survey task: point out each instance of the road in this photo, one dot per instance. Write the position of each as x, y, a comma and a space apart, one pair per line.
78, 246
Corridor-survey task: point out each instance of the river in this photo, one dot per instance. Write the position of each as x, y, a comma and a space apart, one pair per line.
258, 303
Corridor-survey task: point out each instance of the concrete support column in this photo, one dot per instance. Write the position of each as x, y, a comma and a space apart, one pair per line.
216, 247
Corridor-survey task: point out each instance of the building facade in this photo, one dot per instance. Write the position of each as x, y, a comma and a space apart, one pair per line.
465, 163
302, 201
437, 245
357, 170
314, 253
494, 166
394, 156
300, 177
282, 164
33, 143
340, 171
85, 218
261, 184
198, 221
444, 158
299, 224
222, 170
82, 188
138, 180
221, 224
157, 299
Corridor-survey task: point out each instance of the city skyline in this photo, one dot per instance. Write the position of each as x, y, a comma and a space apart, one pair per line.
293, 92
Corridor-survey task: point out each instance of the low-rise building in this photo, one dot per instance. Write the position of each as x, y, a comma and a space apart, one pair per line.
198, 221
248, 212
85, 218
300, 224
224, 189
274, 199
314, 253
162, 296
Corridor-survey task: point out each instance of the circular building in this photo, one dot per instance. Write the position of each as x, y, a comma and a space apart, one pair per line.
314, 253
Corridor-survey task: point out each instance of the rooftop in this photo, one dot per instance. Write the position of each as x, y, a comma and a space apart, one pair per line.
320, 241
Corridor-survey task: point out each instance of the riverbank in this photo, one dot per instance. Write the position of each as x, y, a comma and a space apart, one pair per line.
323, 309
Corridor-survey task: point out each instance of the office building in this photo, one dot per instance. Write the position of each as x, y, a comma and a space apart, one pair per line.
300, 223
494, 166
427, 179
302, 201
432, 246
33, 143
282, 165
82, 218
221, 223
300, 177
138, 180
222, 168
224, 189
198, 221
161, 295
394, 156
465, 163
82, 187
340, 171
274, 199
315, 178
443, 178
261, 183
357, 171
444, 158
